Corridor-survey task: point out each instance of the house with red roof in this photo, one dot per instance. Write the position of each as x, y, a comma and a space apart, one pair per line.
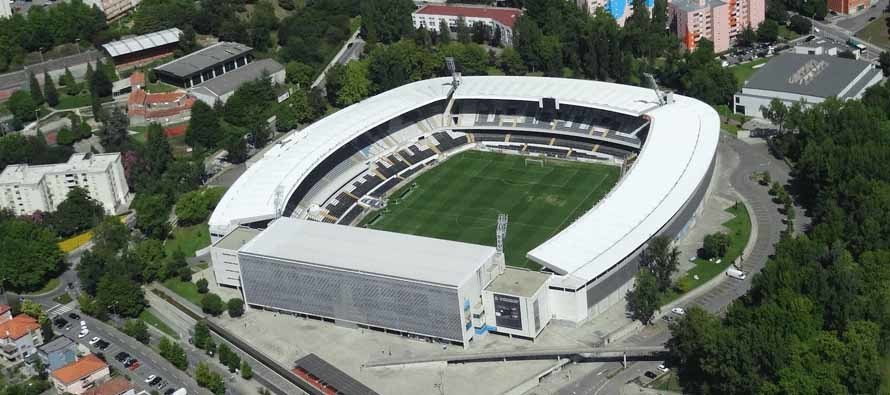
498, 19
19, 336
80, 376
144, 107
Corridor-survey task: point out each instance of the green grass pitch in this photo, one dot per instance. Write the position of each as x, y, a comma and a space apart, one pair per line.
460, 200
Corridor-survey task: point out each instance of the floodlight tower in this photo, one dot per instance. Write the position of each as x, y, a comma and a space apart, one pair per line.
501, 235
455, 75
663, 98
277, 199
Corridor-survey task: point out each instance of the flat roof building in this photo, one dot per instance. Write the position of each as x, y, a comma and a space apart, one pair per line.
223, 87
716, 20
134, 51
224, 255
498, 19
205, 64
795, 77
25, 189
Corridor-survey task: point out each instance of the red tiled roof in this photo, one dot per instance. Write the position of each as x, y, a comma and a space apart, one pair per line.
137, 96
169, 97
17, 327
175, 131
4, 308
506, 16
137, 78
115, 386
79, 369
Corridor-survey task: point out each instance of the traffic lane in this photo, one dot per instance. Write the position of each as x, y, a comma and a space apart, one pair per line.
150, 363
857, 22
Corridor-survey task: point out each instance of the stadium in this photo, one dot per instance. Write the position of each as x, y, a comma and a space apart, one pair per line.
453, 207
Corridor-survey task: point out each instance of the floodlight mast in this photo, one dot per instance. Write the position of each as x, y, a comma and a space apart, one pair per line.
663, 98
501, 232
455, 75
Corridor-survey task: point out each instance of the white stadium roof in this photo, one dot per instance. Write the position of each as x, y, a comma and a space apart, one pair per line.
143, 42
677, 155
402, 256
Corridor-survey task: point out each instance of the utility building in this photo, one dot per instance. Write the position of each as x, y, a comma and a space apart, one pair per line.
205, 64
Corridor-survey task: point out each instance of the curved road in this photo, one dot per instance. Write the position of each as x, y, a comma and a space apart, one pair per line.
750, 158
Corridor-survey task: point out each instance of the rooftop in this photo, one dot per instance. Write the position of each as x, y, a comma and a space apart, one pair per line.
694, 5
27, 174
203, 59
230, 81
143, 42
238, 238
115, 386
18, 327
809, 75
505, 16
79, 369
331, 376
59, 343
518, 282
4, 308
395, 255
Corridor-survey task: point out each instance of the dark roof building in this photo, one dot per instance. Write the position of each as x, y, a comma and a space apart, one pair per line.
205, 64
795, 77
222, 87
327, 378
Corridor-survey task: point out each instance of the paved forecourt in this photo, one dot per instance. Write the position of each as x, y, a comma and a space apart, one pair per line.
461, 198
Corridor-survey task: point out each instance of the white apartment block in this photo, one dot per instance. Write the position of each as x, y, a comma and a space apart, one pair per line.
25, 189
113, 8
430, 16
5, 9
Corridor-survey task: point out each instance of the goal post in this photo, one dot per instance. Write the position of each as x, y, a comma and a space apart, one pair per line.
534, 161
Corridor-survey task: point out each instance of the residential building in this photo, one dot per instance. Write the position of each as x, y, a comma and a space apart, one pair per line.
224, 86
25, 188
204, 64
716, 20
113, 9
811, 79
619, 9
59, 352
823, 46
5, 9
144, 107
19, 336
139, 50
79, 376
496, 18
849, 6
127, 85
116, 386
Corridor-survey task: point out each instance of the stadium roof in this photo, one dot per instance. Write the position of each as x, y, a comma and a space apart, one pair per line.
203, 59
505, 16
230, 81
143, 42
397, 255
678, 153
835, 78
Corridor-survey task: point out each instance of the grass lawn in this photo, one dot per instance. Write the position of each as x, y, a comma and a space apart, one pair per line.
743, 71
667, 382
787, 34
186, 289
189, 239
159, 87
739, 231
876, 32
150, 319
66, 102
64, 298
461, 199
49, 286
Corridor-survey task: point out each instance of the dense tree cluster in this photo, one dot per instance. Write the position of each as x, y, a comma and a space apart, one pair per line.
657, 264
228, 357
42, 28
210, 379
16, 148
313, 35
31, 256
137, 329
195, 206
174, 353
816, 318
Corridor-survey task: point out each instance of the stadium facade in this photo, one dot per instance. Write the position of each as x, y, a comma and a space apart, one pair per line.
332, 172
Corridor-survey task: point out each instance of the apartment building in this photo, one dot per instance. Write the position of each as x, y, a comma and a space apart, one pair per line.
80, 376
19, 336
716, 20
619, 9
496, 18
113, 8
5, 9
25, 189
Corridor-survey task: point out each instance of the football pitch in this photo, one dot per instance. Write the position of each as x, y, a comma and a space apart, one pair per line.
461, 198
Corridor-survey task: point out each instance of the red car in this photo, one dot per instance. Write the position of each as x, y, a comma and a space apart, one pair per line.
133, 366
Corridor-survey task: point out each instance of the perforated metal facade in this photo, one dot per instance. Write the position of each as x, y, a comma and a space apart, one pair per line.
363, 298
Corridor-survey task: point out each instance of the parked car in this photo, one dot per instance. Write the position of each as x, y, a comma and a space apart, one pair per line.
650, 374
736, 274
133, 366
121, 356
83, 324
94, 340
169, 391
155, 381
678, 311
150, 378
83, 333
663, 369
102, 344
129, 361
74, 316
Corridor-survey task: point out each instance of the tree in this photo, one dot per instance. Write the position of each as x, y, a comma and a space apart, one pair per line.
72, 88
34, 89
152, 212
355, 85
150, 252
156, 154
77, 213
195, 206
113, 133
511, 63
120, 295
111, 235
46, 330
464, 34
662, 258
236, 148
747, 37
715, 245
100, 84
235, 307
801, 24
251, 103
386, 21
49, 90
174, 353
246, 370
776, 113
444, 32
209, 379
212, 304
768, 31
202, 337
33, 309
204, 128
22, 106
643, 299
202, 285
137, 329
481, 32
299, 74
884, 62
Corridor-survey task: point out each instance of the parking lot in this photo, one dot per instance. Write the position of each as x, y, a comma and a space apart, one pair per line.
122, 353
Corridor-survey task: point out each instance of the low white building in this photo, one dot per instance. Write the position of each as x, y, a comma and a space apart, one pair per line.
224, 256
25, 189
430, 17
221, 88
113, 8
794, 77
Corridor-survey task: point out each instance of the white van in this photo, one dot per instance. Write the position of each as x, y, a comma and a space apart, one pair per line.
736, 273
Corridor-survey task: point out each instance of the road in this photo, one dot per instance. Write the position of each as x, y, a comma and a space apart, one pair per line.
150, 362
20, 78
838, 32
608, 379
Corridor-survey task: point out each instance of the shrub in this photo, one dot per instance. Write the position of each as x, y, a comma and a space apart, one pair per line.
235, 307
202, 285
212, 304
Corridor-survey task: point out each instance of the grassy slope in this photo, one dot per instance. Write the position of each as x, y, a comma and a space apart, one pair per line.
743, 71
876, 32
189, 239
186, 289
156, 322
460, 200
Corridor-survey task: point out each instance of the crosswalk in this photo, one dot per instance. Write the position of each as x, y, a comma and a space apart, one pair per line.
59, 309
